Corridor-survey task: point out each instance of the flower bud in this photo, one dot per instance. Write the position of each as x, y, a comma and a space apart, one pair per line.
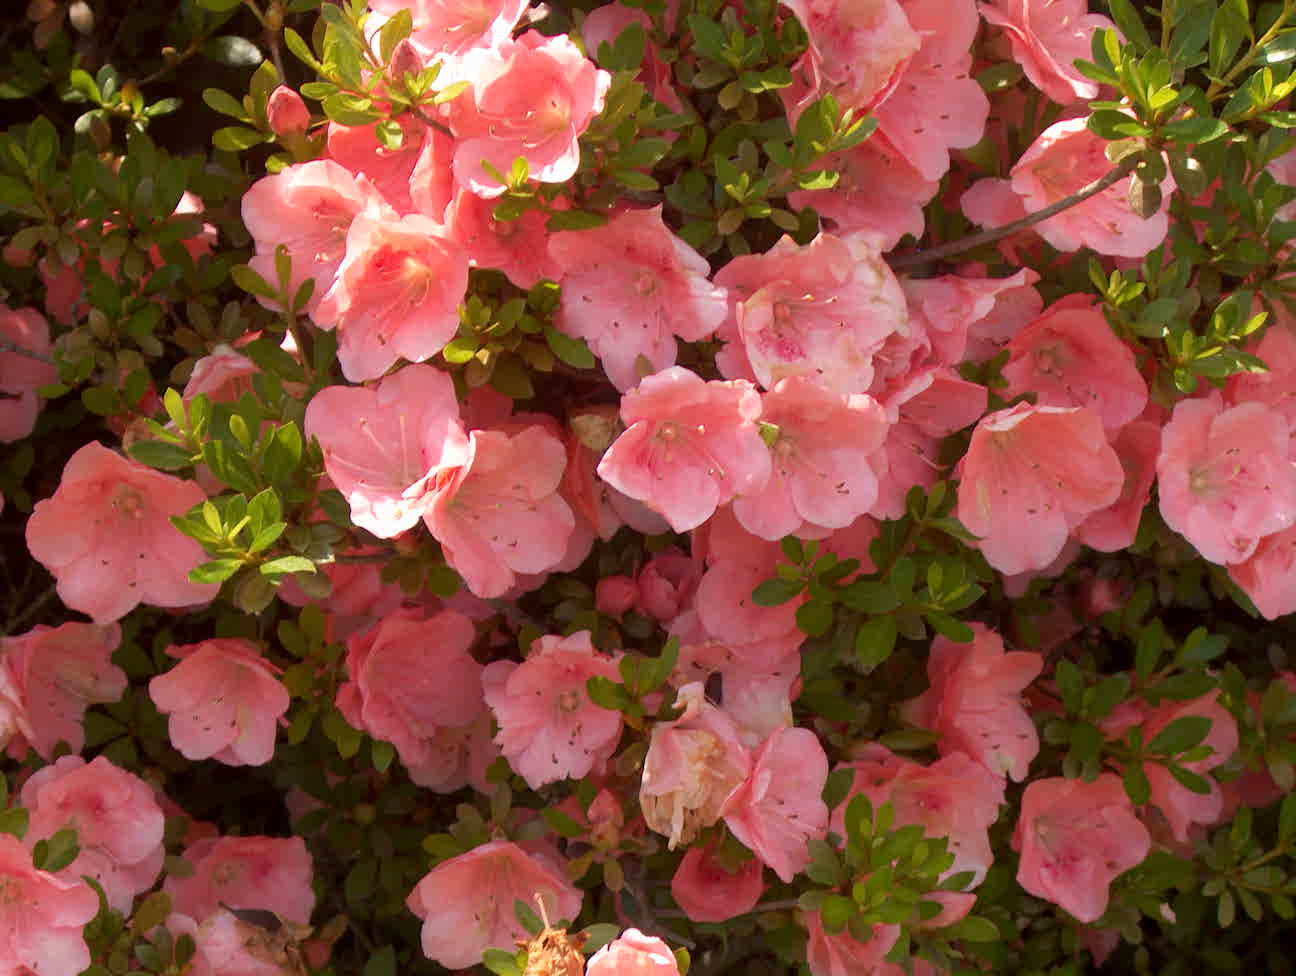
286, 112
405, 59
614, 595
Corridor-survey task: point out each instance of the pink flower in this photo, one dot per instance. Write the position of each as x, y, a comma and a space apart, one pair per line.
822, 310
629, 288
709, 890
844, 955
268, 873
41, 916
385, 446
106, 536
778, 809
947, 309
1181, 806
1071, 358
500, 514
531, 98
633, 954
396, 294
49, 676
693, 764
412, 178
118, 822
1065, 157
1268, 575
1048, 37
1224, 480
1074, 838
974, 702
223, 701
614, 595
223, 376
519, 248
308, 208
457, 26
466, 902
825, 456
1277, 387
549, 728
21, 376
1031, 474
1114, 528
689, 447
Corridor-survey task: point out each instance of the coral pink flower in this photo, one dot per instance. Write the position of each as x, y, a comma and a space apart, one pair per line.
935, 105
223, 375
822, 310
778, 809
519, 248
759, 636
456, 26
49, 676
1016, 304
1065, 157
307, 207
41, 916
633, 954
844, 955
1070, 357
1224, 480
223, 701
286, 112
118, 822
708, 890
1031, 474
856, 49
629, 288
500, 514
1114, 528
1048, 37
106, 536
466, 902
1277, 387
1074, 838
531, 98
690, 446
1181, 806
396, 294
549, 728
21, 376
1268, 575
667, 583
974, 702
693, 764
412, 178
385, 445
268, 873
944, 310
825, 455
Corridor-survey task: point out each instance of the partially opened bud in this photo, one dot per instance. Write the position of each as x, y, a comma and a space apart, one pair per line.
405, 59
286, 112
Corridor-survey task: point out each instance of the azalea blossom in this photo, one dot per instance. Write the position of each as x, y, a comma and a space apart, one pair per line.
1048, 37
21, 376
41, 916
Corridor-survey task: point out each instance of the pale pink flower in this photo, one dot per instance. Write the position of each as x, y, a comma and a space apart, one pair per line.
466, 902
549, 728
844, 955
500, 514
385, 446
1224, 480
106, 536
118, 822
1047, 38
856, 50
223, 375
49, 676
1277, 387
1064, 158
223, 701
308, 208
531, 98
824, 460
457, 26
667, 583
1016, 304
693, 764
1268, 575
709, 890
268, 873
974, 702
396, 294
944, 310
689, 447
759, 636
21, 376
1070, 357
778, 809
934, 105
822, 311
41, 916
1075, 838
1031, 474
633, 954
629, 288
519, 248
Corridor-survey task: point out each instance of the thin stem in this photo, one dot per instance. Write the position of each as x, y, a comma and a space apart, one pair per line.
6, 346
1217, 87
919, 258
16, 622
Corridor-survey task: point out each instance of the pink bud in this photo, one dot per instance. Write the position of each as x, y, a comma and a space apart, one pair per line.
1101, 595
405, 59
614, 595
286, 112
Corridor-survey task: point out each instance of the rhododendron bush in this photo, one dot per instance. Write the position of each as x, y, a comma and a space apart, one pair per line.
645, 487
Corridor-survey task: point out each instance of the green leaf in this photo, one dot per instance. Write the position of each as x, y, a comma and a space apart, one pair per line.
215, 571
223, 102
874, 641
1130, 23
573, 352
14, 821
160, 455
1189, 779
58, 851
1070, 683
606, 693
1137, 785
1151, 641
1180, 735
974, 928
287, 564
501, 963
871, 597
776, 592
1196, 130
1229, 29
1287, 820
950, 627
814, 618
381, 963
232, 51
562, 823
837, 786
236, 138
